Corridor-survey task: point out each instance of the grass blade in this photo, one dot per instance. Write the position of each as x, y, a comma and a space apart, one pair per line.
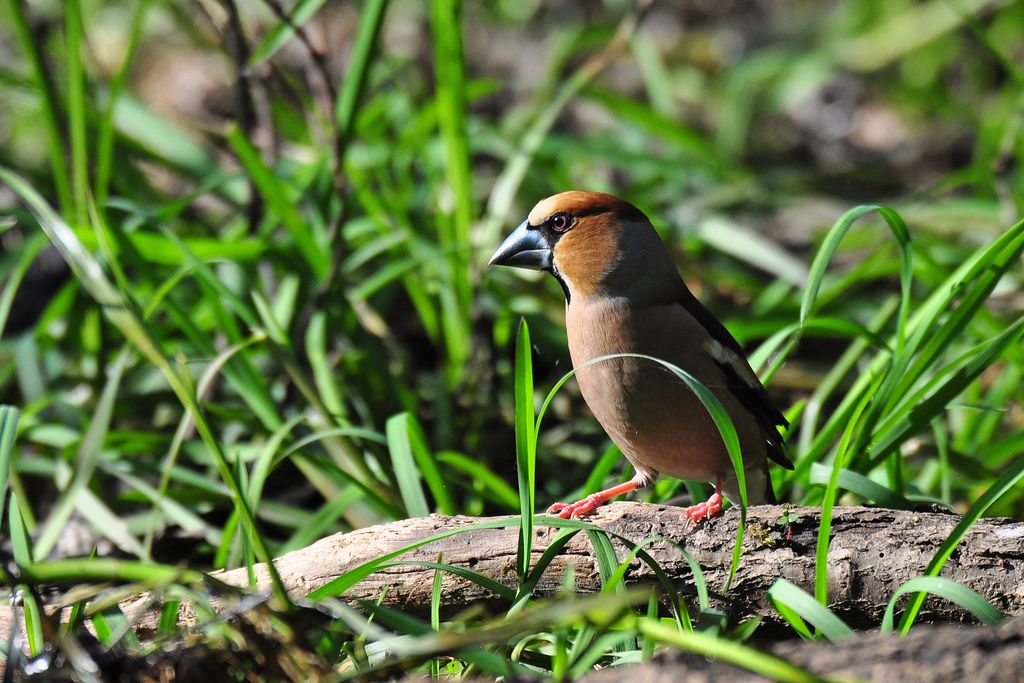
526, 588
857, 483
281, 200
787, 596
324, 377
920, 408
831, 245
455, 223
607, 562
482, 580
489, 483
341, 584
32, 50
105, 137
88, 457
526, 446
435, 612
323, 521
129, 322
355, 77
727, 651
34, 617
413, 463
403, 464
608, 461
276, 37
21, 542
1006, 481
969, 295
12, 279
76, 112
831, 494
8, 430
92, 569
950, 590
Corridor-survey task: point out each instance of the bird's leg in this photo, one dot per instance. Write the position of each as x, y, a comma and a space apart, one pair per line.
708, 509
582, 508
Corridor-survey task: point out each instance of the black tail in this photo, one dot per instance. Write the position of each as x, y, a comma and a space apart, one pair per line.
769, 490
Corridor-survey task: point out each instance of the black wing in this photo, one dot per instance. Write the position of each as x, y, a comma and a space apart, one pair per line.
750, 392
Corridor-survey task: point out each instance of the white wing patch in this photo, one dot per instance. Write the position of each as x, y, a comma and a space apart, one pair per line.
723, 355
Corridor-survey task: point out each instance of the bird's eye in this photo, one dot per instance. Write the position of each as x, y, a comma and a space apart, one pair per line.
560, 222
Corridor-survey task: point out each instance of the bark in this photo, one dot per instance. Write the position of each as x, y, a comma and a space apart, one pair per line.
871, 553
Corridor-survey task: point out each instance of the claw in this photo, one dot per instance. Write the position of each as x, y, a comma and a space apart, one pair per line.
706, 510
582, 508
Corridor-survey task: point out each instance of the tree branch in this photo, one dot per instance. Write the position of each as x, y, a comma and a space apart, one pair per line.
872, 552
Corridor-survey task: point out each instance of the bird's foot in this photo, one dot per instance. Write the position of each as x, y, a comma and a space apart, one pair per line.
706, 510
581, 508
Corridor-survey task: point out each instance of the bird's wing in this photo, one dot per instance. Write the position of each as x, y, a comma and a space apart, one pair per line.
741, 379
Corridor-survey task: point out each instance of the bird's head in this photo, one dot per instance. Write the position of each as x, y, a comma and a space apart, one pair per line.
593, 243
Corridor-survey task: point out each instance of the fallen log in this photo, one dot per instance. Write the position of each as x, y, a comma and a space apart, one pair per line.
871, 553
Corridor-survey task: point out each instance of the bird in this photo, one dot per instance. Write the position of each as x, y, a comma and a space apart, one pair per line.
624, 294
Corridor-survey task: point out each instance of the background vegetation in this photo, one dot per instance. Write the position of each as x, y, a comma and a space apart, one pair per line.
277, 322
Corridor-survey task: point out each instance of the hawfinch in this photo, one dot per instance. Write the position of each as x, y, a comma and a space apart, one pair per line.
623, 294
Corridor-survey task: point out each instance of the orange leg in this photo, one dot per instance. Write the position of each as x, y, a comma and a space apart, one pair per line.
707, 509
582, 508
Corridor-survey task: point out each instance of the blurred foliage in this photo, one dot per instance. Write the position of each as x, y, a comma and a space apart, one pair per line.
280, 215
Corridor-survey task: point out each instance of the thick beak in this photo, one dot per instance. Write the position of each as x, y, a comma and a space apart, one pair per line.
525, 247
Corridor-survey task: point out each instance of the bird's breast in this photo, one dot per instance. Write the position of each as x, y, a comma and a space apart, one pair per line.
647, 410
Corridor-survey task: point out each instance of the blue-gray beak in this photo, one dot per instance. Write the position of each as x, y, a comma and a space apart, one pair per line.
525, 247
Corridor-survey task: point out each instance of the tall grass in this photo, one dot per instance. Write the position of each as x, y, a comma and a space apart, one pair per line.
279, 328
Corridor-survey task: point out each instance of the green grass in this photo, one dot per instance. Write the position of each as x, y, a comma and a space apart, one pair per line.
281, 328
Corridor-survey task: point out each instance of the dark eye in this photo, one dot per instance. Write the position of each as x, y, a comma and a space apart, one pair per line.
560, 222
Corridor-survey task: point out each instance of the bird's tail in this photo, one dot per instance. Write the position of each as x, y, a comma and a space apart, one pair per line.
759, 487
769, 490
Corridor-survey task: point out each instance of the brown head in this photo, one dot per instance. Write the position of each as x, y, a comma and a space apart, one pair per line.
594, 244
